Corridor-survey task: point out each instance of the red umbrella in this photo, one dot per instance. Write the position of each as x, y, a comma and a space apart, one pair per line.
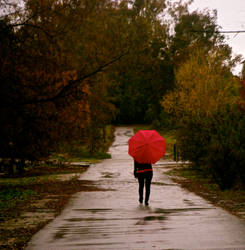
146, 146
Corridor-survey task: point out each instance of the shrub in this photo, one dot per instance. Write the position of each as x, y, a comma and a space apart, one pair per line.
217, 143
193, 136
226, 151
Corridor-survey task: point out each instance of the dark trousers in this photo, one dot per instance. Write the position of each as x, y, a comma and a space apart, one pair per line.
144, 179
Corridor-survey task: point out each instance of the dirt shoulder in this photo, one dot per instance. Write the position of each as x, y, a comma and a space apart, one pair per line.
45, 196
231, 200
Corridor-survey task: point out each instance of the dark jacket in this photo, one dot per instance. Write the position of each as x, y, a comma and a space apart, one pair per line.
141, 168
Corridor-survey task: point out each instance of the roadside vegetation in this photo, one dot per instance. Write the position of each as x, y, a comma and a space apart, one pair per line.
75, 152
14, 189
209, 118
198, 181
29, 203
207, 110
44, 188
69, 70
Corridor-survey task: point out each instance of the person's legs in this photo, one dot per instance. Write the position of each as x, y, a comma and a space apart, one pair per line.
148, 187
141, 188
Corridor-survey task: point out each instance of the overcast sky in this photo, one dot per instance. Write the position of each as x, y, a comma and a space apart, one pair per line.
231, 16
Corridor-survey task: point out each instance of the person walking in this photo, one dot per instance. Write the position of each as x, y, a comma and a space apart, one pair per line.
146, 147
144, 173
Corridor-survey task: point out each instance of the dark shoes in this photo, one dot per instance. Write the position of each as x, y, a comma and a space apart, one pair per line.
146, 202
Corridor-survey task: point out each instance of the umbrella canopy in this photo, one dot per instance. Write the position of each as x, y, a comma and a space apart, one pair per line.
146, 146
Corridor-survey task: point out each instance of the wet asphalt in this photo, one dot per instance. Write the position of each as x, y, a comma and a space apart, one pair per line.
113, 219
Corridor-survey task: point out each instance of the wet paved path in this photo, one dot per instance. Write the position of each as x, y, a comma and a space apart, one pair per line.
175, 218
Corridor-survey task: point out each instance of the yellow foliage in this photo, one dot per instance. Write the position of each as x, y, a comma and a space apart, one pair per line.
203, 84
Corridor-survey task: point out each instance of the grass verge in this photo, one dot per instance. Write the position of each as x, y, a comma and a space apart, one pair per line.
76, 151
194, 180
27, 204
30, 201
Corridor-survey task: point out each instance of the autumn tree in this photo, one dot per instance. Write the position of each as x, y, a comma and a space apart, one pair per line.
204, 83
50, 50
204, 105
162, 47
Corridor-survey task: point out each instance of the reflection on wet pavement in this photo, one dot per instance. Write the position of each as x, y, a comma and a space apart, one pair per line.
175, 219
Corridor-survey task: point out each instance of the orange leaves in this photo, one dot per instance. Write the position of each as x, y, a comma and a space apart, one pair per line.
62, 79
86, 89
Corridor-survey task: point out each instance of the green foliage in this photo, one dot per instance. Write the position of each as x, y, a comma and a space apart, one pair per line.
196, 26
146, 73
193, 137
78, 152
10, 197
216, 144
81, 151
15, 194
15, 183
227, 148
170, 138
197, 180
